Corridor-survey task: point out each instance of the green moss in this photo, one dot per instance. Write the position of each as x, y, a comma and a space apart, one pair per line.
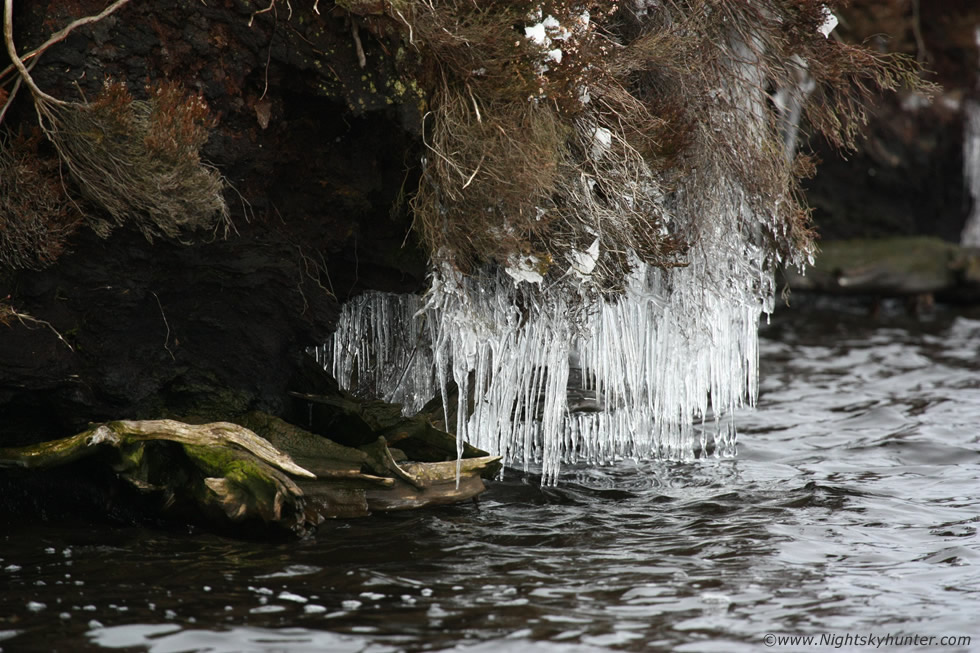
299, 442
133, 455
252, 481
920, 255
406, 90
542, 264
226, 462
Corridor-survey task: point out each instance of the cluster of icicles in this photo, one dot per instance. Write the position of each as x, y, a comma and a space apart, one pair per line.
546, 379
971, 163
548, 371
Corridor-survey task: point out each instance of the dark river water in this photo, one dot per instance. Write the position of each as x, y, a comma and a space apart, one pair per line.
849, 515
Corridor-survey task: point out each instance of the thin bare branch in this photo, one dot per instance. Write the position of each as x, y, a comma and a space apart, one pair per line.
7, 311
17, 62
63, 33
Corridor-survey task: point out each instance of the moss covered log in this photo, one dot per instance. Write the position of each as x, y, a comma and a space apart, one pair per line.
229, 475
893, 267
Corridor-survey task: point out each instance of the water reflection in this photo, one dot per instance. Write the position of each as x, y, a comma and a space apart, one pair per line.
853, 506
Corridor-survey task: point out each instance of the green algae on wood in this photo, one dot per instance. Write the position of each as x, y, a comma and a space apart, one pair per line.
228, 474
216, 434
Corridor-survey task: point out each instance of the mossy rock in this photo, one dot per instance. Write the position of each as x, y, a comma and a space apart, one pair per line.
887, 266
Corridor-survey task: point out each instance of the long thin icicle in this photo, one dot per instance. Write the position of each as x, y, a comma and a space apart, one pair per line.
551, 371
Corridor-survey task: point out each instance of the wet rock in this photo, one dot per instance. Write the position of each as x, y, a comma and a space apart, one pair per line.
893, 267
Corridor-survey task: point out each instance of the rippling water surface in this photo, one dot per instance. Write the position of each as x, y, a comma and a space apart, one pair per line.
851, 511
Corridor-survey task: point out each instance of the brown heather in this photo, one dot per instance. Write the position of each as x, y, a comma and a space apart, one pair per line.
508, 143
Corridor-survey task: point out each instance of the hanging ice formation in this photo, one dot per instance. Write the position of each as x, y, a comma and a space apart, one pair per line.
554, 383
971, 166
554, 371
971, 172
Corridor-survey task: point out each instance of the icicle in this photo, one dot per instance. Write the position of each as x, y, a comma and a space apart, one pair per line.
677, 348
971, 170
380, 348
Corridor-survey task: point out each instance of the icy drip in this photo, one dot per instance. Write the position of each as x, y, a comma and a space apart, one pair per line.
509, 360
789, 101
971, 173
679, 349
971, 165
380, 349
657, 372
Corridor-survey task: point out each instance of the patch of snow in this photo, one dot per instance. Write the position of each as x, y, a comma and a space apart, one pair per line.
601, 141
915, 102
829, 23
524, 268
583, 263
951, 102
537, 34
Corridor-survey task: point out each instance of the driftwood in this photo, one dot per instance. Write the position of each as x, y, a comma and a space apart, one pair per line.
286, 477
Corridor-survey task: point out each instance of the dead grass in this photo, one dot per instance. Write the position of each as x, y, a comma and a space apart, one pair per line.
135, 161
36, 216
513, 168
138, 160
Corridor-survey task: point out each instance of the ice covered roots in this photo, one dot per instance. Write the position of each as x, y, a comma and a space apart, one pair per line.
547, 361
654, 374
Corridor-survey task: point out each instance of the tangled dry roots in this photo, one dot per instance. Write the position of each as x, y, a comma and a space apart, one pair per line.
138, 160
36, 217
486, 177
519, 169
650, 109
